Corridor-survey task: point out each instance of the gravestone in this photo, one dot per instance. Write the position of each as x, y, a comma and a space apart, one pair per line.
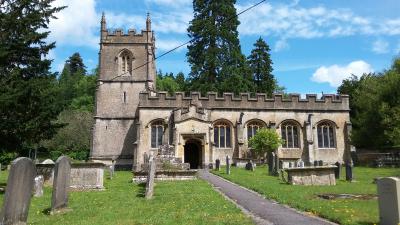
349, 172
62, 173
338, 170
271, 163
389, 200
217, 164
150, 178
38, 186
18, 192
300, 164
111, 171
228, 165
250, 166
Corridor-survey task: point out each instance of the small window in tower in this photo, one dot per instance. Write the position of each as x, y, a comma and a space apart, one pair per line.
124, 96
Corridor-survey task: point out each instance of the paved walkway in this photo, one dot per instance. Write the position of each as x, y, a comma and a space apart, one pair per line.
263, 210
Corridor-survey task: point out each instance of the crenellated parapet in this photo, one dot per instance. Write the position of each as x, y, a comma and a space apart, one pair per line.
119, 36
327, 102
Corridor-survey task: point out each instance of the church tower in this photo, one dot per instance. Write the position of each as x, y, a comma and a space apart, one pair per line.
126, 67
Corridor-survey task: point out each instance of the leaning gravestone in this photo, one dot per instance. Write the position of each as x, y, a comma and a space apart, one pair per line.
228, 165
38, 187
389, 200
62, 173
18, 192
217, 164
150, 179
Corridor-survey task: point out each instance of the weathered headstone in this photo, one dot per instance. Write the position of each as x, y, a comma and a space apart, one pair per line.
228, 165
18, 192
48, 161
389, 200
62, 173
38, 186
217, 164
271, 163
300, 164
250, 166
338, 170
150, 178
111, 169
349, 172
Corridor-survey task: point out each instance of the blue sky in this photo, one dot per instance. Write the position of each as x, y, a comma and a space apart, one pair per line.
315, 44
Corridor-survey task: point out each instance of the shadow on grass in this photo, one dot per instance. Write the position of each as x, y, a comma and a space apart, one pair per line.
142, 190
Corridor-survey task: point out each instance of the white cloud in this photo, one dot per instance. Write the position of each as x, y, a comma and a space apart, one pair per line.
76, 25
334, 74
380, 46
295, 21
280, 45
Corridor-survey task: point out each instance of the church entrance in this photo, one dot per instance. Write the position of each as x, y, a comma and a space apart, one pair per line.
192, 154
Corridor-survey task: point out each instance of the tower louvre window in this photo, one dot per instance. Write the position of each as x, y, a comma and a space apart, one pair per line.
125, 63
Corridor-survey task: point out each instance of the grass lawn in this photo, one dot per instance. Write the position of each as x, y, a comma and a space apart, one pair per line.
180, 202
304, 197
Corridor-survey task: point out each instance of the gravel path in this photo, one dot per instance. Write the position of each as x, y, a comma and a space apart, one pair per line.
262, 210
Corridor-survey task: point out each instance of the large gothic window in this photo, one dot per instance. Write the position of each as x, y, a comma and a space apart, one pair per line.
222, 135
157, 130
290, 135
252, 128
326, 135
125, 63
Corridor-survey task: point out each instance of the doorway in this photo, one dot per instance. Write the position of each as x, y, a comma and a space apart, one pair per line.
192, 154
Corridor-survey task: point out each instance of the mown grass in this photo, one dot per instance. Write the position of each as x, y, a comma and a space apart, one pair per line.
304, 197
179, 202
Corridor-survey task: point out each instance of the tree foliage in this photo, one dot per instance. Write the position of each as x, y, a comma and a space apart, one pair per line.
214, 54
375, 107
265, 140
261, 68
28, 90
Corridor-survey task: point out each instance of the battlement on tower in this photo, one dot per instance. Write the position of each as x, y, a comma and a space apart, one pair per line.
329, 102
131, 36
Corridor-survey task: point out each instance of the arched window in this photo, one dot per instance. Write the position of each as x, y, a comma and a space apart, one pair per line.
125, 63
222, 135
326, 135
157, 130
290, 134
252, 128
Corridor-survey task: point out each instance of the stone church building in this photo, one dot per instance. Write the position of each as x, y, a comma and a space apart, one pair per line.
132, 119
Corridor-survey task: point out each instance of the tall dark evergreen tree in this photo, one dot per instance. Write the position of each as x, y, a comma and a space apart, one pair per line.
28, 88
214, 54
261, 68
74, 70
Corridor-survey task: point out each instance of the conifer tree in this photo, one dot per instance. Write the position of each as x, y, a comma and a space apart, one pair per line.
214, 54
74, 70
28, 88
261, 68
